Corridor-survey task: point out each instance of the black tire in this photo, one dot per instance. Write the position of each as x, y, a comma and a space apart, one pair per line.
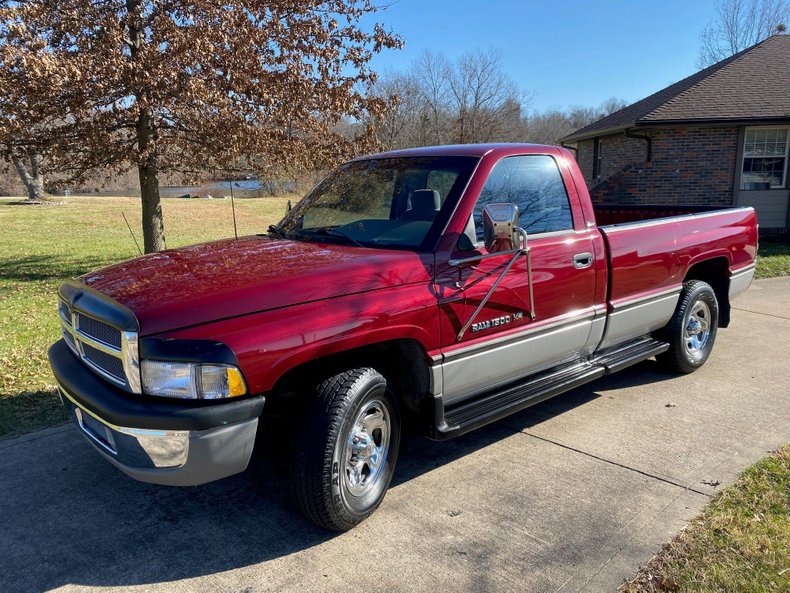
690, 341
339, 482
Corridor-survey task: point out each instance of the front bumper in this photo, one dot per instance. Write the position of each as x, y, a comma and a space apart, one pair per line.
159, 441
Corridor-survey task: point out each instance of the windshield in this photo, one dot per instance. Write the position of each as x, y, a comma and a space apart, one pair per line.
388, 202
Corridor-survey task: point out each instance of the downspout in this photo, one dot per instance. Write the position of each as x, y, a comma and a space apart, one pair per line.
647, 139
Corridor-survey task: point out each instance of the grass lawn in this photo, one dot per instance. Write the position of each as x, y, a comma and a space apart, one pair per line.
773, 259
740, 543
41, 246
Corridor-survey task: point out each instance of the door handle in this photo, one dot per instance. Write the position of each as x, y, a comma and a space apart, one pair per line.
582, 260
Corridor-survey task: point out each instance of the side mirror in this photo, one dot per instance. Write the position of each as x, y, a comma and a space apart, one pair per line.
500, 227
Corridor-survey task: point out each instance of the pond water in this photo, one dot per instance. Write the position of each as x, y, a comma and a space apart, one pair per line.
242, 188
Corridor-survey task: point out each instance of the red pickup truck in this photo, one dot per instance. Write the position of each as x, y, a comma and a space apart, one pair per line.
446, 286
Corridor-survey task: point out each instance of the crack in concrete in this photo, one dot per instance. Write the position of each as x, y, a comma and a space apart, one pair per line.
615, 463
761, 313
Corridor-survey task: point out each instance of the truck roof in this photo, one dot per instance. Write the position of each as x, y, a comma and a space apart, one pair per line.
475, 150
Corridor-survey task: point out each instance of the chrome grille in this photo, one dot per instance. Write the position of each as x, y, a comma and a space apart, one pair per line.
65, 314
105, 349
106, 363
98, 330
69, 339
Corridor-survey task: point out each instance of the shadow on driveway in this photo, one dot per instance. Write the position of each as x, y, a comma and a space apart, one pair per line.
68, 517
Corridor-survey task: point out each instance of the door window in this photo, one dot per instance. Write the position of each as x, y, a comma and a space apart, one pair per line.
534, 184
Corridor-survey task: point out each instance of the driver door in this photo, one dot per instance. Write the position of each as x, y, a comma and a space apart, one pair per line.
511, 338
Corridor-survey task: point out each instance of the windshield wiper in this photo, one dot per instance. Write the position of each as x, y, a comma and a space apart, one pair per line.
276, 231
336, 232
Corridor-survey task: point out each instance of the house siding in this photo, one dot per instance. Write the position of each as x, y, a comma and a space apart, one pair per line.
693, 165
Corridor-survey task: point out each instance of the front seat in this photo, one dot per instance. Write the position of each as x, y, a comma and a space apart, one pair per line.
422, 204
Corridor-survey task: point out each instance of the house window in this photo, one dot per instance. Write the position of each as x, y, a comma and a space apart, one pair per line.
765, 158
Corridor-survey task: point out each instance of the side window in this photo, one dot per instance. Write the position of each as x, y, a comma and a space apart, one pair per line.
534, 184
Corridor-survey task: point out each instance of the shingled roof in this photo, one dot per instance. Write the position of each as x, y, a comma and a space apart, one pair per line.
751, 85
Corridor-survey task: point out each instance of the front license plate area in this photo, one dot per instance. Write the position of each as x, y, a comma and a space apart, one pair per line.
96, 431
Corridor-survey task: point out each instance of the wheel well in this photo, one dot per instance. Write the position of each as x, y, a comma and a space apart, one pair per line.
716, 273
403, 363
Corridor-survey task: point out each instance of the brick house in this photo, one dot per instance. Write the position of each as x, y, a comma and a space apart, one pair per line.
718, 138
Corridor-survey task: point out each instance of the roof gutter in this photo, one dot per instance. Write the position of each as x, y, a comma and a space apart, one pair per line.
647, 139
575, 149
595, 134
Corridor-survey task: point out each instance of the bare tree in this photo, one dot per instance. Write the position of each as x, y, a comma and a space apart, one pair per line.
400, 126
548, 127
432, 74
610, 105
741, 24
438, 102
471, 100
485, 97
184, 86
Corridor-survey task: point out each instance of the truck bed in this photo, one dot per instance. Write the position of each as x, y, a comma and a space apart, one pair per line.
648, 260
609, 214
654, 254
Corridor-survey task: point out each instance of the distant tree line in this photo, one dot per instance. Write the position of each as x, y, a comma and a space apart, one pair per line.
472, 99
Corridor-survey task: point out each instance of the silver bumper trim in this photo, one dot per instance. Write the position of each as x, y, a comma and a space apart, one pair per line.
169, 457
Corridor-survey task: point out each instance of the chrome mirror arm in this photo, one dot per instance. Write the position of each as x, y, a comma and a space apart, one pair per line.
516, 253
528, 251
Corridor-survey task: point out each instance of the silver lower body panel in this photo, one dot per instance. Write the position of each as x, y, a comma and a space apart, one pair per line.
465, 375
631, 320
741, 280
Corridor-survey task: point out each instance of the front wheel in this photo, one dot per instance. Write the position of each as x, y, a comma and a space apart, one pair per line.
692, 330
346, 455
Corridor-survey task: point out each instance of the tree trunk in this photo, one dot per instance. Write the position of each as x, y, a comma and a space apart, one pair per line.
31, 176
153, 223
147, 165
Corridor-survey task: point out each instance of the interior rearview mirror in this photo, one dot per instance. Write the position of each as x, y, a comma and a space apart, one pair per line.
500, 227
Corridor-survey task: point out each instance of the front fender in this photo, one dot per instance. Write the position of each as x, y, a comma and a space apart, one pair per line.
271, 343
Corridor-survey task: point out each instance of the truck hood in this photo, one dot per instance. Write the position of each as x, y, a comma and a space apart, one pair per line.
177, 288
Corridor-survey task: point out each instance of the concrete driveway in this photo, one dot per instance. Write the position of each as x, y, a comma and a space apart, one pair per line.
571, 495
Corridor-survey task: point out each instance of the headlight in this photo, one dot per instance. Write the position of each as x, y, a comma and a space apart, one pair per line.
189, 380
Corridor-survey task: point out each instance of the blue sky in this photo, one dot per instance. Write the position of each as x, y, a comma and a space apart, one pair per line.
565, 52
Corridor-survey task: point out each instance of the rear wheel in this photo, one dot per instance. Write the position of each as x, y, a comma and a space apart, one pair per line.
346, 455
692, 330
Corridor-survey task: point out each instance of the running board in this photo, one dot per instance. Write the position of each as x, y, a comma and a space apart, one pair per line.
495, 405
625, 356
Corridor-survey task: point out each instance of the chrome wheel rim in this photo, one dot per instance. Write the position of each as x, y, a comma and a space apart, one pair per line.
697, 330
366, 447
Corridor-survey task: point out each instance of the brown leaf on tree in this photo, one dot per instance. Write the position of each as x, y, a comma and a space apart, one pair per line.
174, 86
